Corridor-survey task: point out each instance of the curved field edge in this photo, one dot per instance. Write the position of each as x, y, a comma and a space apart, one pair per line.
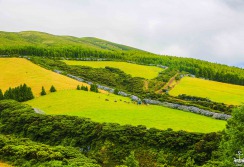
16, 71
135, 70
215, 91
115, 109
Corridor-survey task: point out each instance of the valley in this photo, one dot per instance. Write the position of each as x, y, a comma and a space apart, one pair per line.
140, 113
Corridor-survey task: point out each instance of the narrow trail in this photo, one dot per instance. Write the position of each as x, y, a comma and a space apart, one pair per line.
168, 84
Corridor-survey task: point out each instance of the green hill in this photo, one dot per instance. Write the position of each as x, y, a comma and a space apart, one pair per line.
34, 38
47, 45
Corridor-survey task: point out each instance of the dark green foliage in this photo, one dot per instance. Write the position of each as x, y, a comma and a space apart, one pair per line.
116, 91
131, 161
24, 152
85, 88
190, 162
53, 89
21, 93
78, 87
108, 143
227, 109
1, 95
94, 88
43, 92
233, 138
165, 75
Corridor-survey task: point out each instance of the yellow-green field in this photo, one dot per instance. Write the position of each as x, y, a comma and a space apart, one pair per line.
4, 165
135, 70
216, 91
95, 106
16, 71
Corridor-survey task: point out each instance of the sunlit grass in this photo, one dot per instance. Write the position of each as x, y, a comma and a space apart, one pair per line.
135, 70
216, 91
120, 110
16, 71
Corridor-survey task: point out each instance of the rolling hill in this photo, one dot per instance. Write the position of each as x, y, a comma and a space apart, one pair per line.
106, 127
215, 91
34, 38
16, 71
48, 45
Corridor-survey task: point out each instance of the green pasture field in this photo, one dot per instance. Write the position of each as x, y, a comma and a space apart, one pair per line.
121, 110
135, 70
215, 91
16, 71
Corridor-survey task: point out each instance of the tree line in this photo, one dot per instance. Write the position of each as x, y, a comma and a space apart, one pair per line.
204, 69
20, 93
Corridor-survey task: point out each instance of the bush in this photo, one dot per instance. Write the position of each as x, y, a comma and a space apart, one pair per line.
52, 89
43, 92
94, 88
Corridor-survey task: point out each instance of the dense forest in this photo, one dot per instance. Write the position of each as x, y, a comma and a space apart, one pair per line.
68, 138
108, 143
46, 45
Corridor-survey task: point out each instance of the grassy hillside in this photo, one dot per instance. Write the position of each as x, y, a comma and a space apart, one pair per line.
16, 71
96, 107
135, 70
48, 45
44, 39
215, 91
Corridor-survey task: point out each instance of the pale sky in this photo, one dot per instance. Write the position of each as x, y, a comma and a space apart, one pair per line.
211, 30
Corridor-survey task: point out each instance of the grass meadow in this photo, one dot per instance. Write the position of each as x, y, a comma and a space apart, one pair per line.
135, 70
16, 71
120, 110
215, 91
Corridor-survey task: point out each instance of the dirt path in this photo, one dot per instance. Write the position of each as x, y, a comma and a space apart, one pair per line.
168, 84
146, 85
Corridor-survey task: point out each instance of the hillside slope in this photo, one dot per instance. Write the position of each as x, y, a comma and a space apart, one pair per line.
47, 45
16, 71
34, 38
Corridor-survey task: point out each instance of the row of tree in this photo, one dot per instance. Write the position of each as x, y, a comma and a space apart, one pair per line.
212, 71
52, 89
82, 87
20, 93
